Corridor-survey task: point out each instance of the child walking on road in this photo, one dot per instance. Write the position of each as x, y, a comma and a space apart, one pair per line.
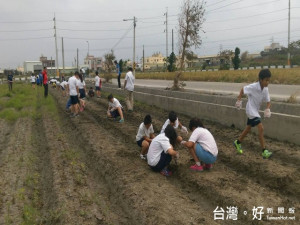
257, 93
145, 136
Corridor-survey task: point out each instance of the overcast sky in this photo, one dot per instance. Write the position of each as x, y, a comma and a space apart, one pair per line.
26, 27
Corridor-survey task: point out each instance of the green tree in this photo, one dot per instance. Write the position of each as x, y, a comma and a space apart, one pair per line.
108, 65
171, 62
236, 59
190, 21
225, 59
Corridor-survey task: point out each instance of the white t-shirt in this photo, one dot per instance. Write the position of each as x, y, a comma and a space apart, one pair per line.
143, 131
63, 84
73, 83
130, 81
159, 143
97, 81
32, 78
115, 103
205, 139
255, 97
81, 84
167, 123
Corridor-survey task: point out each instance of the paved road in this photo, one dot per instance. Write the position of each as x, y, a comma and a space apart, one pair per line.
277, 91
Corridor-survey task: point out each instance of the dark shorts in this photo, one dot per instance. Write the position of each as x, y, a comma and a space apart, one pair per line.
115, 113
82, 93
164, 161
254, 122
74, 100
98, 88
62, 88
139, 143
33, 82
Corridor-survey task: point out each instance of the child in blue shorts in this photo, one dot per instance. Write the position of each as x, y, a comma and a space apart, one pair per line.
202, 146
257, 93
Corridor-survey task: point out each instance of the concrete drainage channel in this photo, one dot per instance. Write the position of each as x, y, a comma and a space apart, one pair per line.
283, 125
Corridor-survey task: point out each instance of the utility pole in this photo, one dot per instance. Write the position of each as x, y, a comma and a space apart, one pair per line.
57, 65
172, 42
166, 22
88, 48
289, 30
133, 56
63, 55
77, 61
143, 59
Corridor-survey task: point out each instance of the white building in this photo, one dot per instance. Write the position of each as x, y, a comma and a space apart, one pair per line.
93, 63
29, 66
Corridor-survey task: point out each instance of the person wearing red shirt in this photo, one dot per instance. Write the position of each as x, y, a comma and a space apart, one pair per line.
45, 82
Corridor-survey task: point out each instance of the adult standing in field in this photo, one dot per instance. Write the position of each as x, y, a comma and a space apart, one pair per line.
118, 70
129, 87
97, 85
10, 80
32, 80
74, 92
45, 81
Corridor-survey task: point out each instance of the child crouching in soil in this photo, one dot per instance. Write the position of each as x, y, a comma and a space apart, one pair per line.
202, 146
115, 109
161, 151
91, 92
173, 120
145, 135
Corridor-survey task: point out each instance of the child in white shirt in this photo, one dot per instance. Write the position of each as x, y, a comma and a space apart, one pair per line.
202, 146
173, 120
161, 151
145, 135
257, 93
115, 109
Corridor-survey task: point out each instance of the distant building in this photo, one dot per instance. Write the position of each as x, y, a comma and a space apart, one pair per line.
155, 61
209, 59
32, 66
253, 55
273, 46
47, 62
93, 63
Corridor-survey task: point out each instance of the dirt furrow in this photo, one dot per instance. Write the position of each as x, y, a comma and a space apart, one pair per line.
260, 173
143, 199
15, 158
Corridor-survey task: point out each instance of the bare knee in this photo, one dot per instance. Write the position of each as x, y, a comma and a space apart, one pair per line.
260, 128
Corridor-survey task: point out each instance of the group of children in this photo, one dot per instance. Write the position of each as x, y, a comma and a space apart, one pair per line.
159, 150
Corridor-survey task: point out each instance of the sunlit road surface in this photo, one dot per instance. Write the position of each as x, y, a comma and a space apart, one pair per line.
277, 92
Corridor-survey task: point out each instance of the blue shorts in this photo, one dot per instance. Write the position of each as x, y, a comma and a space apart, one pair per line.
115, 113
164, 161
254, 122
98, 88
82, 93
204, 156
139, 143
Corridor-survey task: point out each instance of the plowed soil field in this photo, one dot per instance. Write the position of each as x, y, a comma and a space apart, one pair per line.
86, 170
